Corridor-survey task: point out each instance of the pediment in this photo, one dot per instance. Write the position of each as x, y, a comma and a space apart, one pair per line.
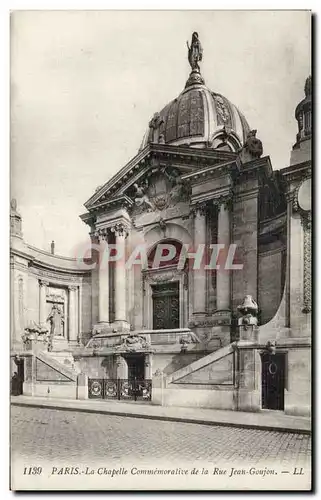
139, 177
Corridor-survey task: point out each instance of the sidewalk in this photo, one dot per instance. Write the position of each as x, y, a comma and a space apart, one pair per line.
265, 420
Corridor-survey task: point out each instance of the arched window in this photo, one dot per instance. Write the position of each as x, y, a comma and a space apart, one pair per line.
165, 253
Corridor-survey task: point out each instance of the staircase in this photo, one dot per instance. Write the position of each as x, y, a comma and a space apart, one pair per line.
209, 382
60, 362
201, 363
51, 374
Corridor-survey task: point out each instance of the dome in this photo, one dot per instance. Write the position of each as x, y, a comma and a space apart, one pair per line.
199, 118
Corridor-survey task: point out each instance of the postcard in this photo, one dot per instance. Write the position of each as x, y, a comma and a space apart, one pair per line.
160, 250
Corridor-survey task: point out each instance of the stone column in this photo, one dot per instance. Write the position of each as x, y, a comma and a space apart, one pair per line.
223, 276
103, 278
199, 277
72, 313
42, 301
120, 274
148, 366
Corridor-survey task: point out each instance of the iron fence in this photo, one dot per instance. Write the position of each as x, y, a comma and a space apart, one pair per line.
120, 389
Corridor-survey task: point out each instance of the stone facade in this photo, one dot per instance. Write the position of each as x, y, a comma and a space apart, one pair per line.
41, 282
225, 333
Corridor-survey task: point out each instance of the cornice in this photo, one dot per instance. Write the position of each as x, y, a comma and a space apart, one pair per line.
258, 166
190, 152
246, 195
296, 173
161, 152
54, 277
216, 197
272, 224
106, 205
49, 254
133, 163
39, 268
218, 170
35, 264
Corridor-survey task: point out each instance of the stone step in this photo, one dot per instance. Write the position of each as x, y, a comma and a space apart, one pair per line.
201, 363
65, 358
58, 363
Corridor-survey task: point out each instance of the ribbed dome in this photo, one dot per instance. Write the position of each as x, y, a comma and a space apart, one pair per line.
199, 118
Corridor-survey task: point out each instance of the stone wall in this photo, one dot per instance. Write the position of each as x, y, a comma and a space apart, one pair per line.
33, 299
201, 397
171, 362
29, 267
271, 282
298, 391
208, 382
98, 366
105, 366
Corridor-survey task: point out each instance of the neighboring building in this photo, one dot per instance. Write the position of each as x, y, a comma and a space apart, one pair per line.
236, 338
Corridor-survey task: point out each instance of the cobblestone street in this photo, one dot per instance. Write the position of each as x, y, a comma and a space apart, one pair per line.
76, 436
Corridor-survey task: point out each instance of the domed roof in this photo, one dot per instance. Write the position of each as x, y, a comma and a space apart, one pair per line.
198, 117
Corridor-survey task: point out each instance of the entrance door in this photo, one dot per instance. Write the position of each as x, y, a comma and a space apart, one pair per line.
166, 306
18, 378
136, 368
273, 373
135, 387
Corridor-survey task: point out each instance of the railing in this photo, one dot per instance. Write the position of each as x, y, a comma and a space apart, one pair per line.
120, 389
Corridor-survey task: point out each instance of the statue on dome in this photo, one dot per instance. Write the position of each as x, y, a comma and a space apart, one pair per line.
195, 52
253, 145
154, 126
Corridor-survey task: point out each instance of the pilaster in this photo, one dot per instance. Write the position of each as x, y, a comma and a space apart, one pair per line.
72, 327
245, 233
223, 276
103, 276
121, 232
199, 276
42, 301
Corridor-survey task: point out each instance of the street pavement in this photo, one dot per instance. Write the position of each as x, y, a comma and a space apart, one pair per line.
50, 434
264, 420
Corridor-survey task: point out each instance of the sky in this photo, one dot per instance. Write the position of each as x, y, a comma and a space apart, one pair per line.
84, 85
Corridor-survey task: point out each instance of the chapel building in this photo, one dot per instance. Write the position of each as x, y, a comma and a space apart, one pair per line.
197, 291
